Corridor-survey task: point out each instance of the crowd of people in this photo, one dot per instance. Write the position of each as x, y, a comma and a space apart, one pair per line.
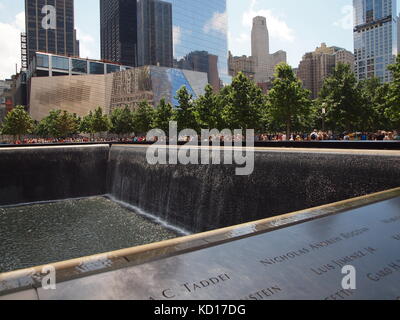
300, 137
29, 141
329, 136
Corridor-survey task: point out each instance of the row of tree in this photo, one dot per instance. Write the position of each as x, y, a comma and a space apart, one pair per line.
344, 104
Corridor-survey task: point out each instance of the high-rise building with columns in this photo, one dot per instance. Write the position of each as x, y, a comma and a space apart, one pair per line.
50, 27
260, 50
375, 38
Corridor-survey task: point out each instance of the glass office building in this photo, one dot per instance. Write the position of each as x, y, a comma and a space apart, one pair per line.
155, 33
375, 38
185, 34
50, 27
118, 31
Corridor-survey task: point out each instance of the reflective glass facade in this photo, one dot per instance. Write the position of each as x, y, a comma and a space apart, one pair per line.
60, 63
50, 27
193, 32
118, 26
200, 37
79, 66
96, 68
155, 33
375, 38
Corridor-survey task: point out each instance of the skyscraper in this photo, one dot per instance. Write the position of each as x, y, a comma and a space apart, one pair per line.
118, 24
265, 62
50, 27
187, 34
316, 66
155, 35
375, 38
260, 48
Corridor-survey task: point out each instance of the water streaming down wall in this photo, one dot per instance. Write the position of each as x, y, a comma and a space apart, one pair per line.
200, 198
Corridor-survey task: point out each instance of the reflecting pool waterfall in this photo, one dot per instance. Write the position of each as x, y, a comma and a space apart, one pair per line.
206, 197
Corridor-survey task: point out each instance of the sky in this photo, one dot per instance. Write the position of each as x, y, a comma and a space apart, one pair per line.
294, 26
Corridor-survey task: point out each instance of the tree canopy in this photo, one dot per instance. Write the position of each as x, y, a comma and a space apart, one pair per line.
122, 121
143, 118
17, 122
341, 97
288, 102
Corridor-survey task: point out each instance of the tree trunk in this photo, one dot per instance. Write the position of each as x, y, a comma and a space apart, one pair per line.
288, 129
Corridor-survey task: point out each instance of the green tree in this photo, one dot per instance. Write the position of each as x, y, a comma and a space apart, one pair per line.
393, 98
342, 98
46, 127
58, 124
122, 121
143, 118
99, 122
184, 115
67, 125
162, 116
374, 105
86, 124
208, 110
289, 104
17, 122
244, 104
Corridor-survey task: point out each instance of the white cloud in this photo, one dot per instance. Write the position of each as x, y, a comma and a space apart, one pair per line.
277, 27
87, 45
10, 53
20, 21
177, 36
218, 23
346, 22
241, 40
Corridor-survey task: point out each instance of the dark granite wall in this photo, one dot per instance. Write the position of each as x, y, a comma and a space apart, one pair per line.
200, 198
52, 173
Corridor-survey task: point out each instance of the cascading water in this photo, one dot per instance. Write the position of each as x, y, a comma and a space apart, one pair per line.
206, 197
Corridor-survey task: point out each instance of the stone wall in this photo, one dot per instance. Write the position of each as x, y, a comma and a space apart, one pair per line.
52, 173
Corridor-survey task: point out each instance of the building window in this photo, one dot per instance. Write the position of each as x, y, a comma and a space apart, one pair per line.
79, 66
42, 61
111, 68
96, 68
60, 63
